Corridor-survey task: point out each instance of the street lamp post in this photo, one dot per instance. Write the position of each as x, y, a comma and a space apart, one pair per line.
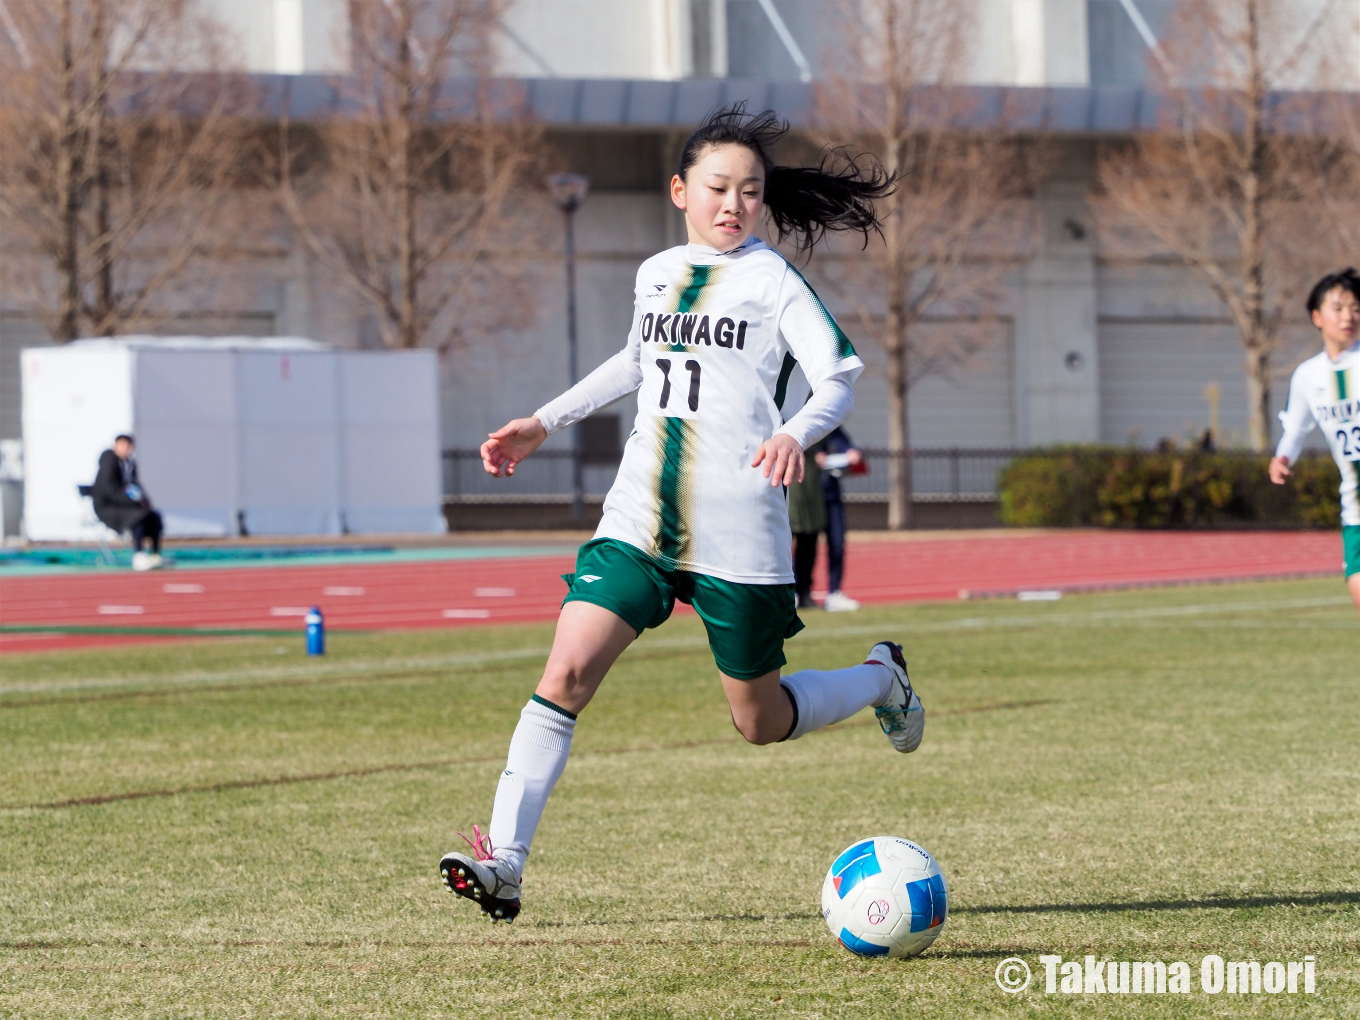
569, 192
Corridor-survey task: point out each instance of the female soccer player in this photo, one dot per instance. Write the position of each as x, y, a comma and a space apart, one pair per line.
698, 510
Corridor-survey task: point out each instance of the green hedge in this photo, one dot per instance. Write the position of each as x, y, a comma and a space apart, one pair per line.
1122, 488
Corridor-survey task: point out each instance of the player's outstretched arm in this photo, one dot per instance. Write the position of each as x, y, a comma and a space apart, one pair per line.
1297, 419
782, 458
511, 444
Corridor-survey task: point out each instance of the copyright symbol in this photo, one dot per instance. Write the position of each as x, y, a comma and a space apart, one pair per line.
1012, 975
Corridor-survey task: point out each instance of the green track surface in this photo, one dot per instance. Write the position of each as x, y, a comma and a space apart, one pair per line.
1151, 775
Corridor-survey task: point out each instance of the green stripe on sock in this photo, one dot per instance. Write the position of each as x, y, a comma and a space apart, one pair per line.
556, 708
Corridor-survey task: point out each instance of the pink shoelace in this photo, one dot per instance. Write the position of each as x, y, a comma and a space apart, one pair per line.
480, 843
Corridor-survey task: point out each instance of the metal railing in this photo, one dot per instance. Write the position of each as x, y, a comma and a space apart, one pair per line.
938, 476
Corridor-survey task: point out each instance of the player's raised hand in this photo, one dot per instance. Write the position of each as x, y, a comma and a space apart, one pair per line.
782, 458
1279, 470
511, 444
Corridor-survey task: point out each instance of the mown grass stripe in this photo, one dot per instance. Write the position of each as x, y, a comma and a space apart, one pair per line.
94, 800
310, 672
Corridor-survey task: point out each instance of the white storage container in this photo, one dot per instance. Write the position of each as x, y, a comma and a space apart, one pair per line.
283, 436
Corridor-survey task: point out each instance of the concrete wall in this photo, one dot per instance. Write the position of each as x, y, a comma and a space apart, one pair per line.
1057, 358
1050, 41
284, 36
596, 39
1015, 42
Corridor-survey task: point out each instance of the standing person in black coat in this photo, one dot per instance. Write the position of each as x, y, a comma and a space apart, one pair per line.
122, 503
807, 520
837, 454
815, 506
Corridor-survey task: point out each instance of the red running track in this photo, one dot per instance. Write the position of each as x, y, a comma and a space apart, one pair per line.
464, 592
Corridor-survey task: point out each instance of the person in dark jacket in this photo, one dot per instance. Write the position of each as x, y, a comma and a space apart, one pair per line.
122, 504
835, 455
807, 519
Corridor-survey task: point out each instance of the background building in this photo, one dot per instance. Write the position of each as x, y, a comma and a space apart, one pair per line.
1086, 347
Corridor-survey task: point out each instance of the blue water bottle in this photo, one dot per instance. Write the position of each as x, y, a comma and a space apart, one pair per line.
316, 632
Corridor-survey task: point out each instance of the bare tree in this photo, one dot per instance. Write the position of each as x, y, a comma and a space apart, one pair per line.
1226, 182
403, 194
1335, 152
119, 144
951, 230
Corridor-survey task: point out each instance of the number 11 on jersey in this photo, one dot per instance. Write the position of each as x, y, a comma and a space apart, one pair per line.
670, 403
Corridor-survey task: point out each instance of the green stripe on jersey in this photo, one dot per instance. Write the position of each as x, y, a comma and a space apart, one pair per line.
699, 278
1340, 384
781, 389
843, 347
1355, 492
697, 285
676, 443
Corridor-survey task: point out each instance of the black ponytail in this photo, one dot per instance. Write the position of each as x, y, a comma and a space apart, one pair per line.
803, 202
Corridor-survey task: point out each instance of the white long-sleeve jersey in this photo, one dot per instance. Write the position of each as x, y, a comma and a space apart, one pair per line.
714, 340
1326, 394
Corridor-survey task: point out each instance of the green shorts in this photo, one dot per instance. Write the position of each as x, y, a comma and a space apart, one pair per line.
746, 623
1350, 540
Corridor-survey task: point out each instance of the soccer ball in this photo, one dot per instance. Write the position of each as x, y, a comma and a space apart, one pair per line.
885, 896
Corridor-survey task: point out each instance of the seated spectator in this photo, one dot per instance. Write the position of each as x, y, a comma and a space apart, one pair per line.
122, 504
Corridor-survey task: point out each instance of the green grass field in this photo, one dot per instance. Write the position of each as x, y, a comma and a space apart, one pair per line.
226, 829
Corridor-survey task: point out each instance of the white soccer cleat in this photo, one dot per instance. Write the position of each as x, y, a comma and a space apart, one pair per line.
142, 561
839, 602
478, 876
902, 718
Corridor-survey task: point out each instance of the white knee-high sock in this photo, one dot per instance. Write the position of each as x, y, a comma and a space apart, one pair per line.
822, 698
538, 754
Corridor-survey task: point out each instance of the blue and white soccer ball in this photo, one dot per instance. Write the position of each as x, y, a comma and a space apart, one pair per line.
885, 896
